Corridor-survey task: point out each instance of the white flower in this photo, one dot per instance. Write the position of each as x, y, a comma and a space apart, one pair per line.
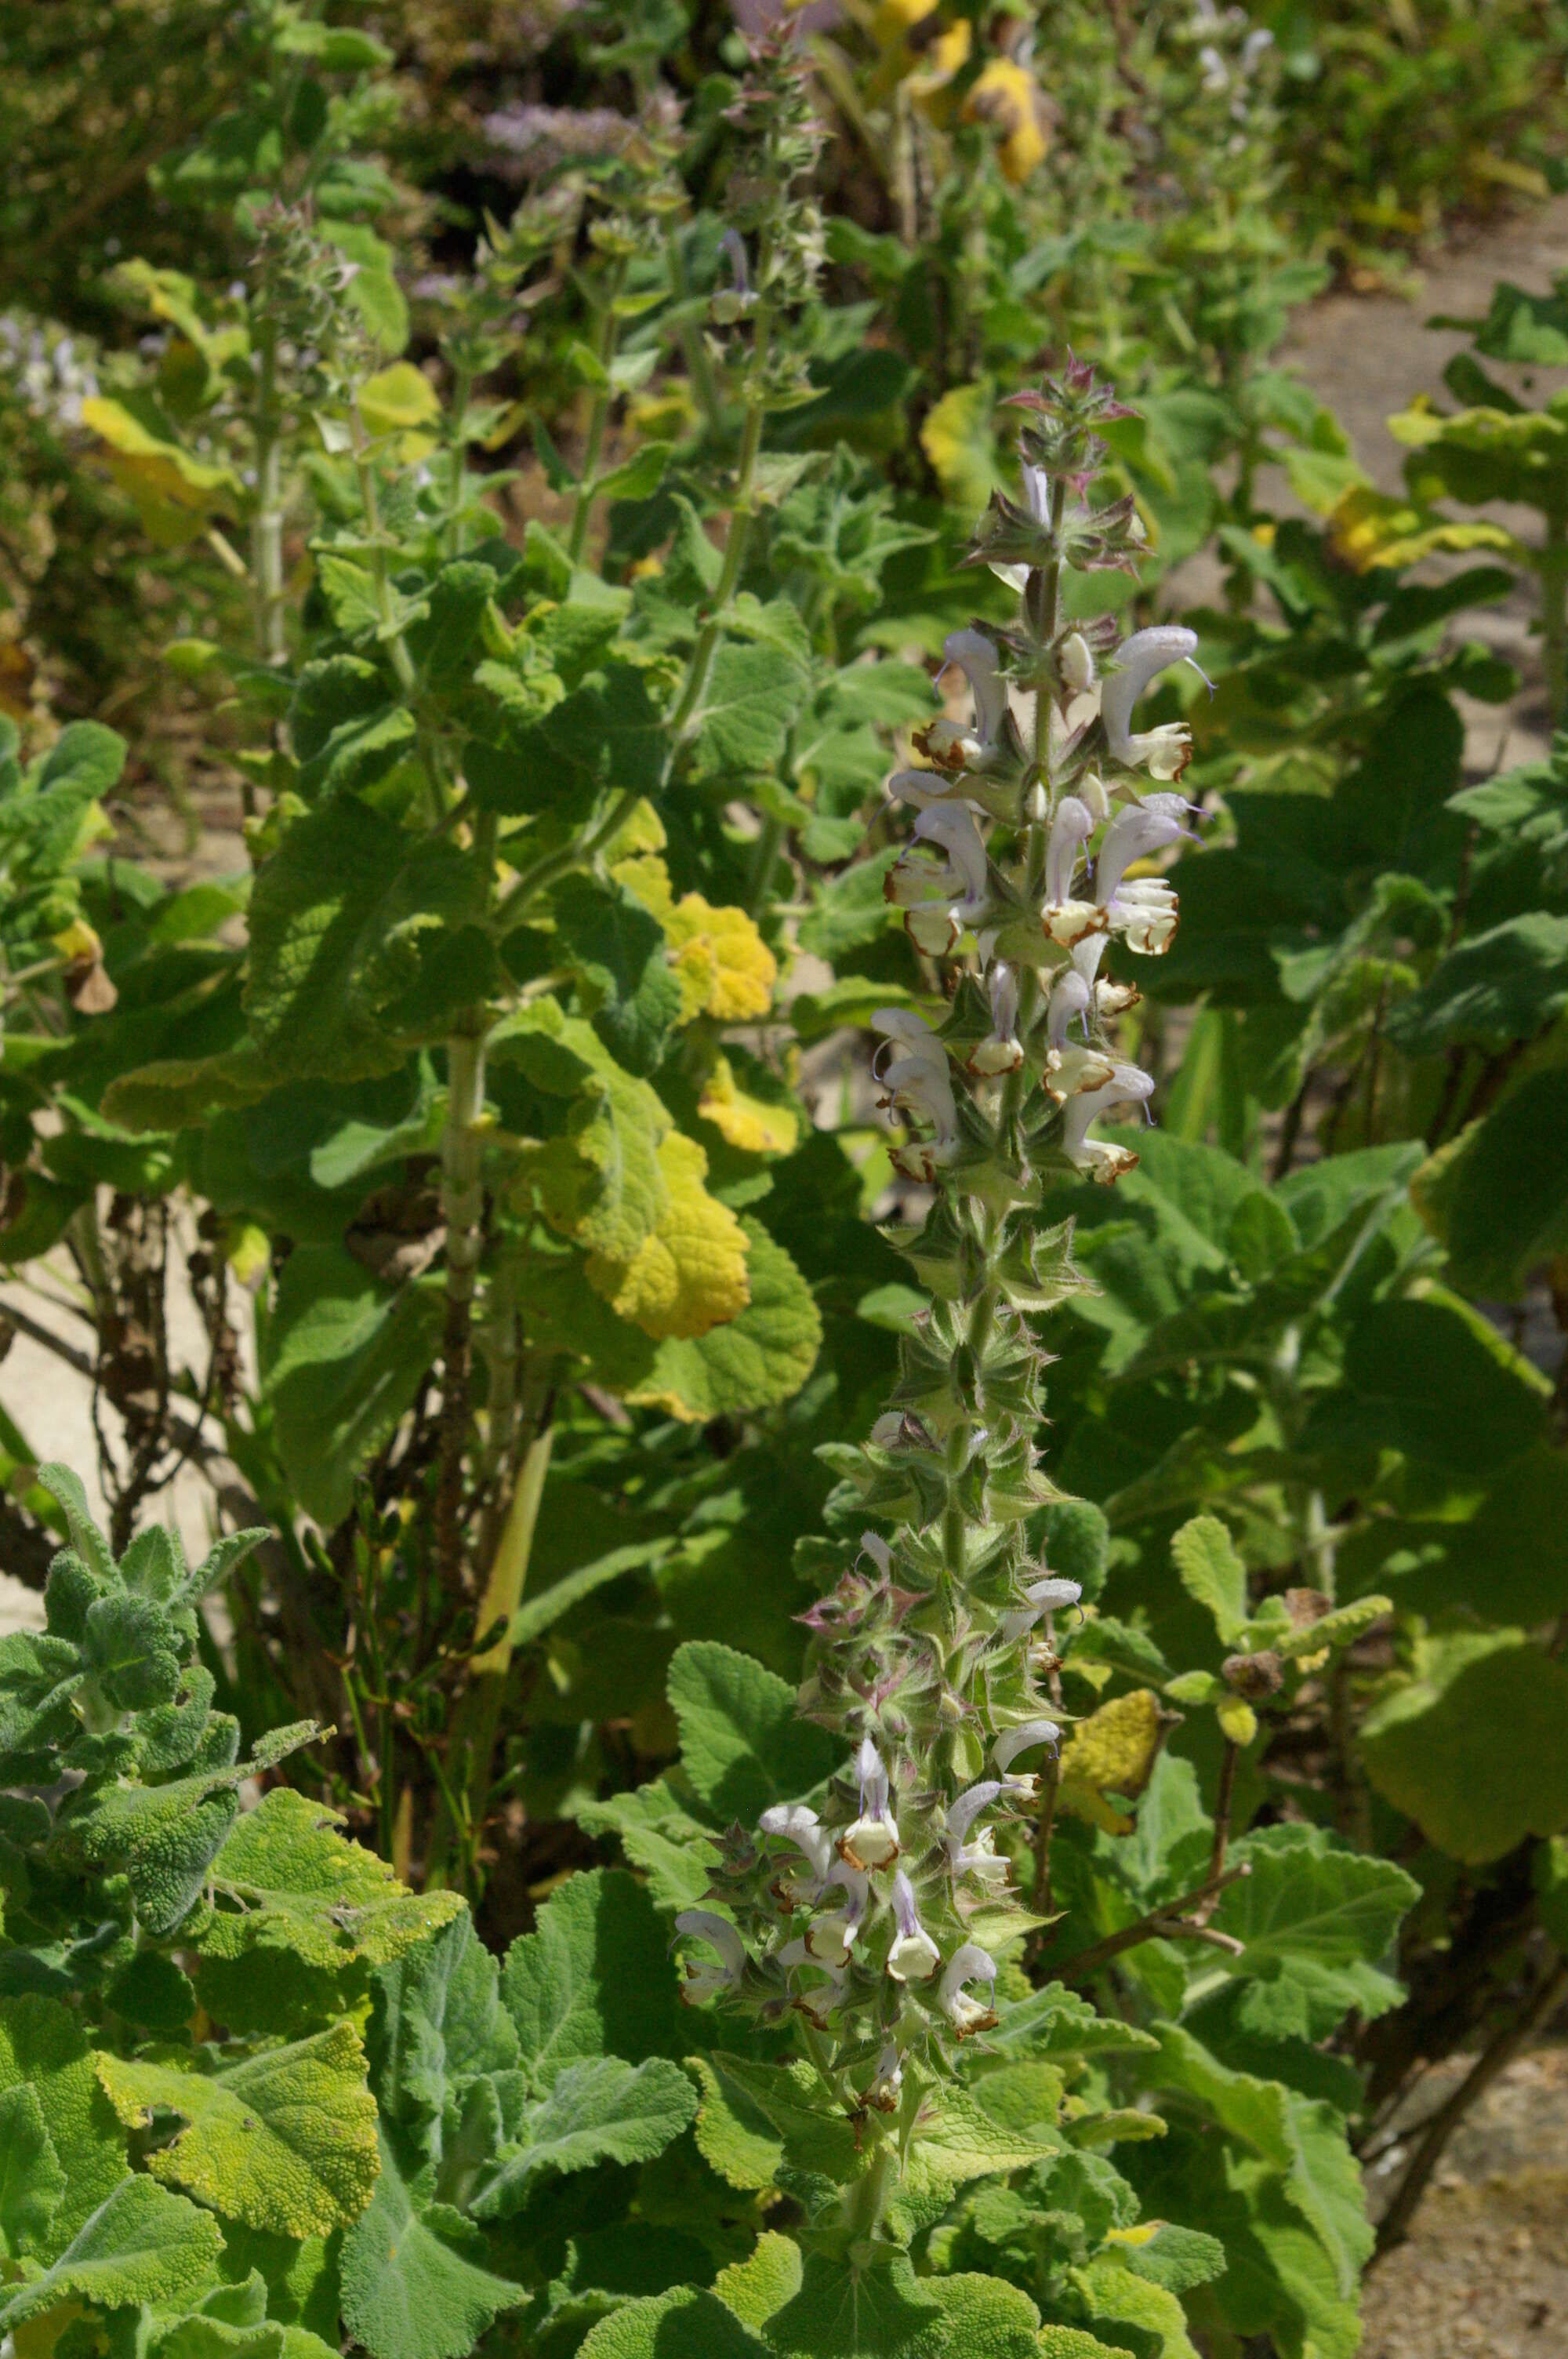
1046, 1596
918, 1083
980, 1857
919, 787
830, 1938
820, 2000
1146, 910
941, 902
1071, 828
967, 2015
703, 1982
1002, 1051
974, 656
792, 1823
913, 1956
1133, 834
1166, 751
1037, 493
887, 1431
1024, 1739
873, 1840
877, 1548
1094, 1155
1069, 1072
886, 2089
1070, 997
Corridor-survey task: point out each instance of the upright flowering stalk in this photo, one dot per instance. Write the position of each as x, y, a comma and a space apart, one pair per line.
876, 1916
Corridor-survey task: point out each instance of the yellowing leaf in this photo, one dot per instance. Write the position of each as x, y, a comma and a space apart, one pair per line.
724, 967
1237, 1721
690, 1274
174, 492
1368, 528
398, 398
283, 2140
957, 439
1112, 1752
77, 941
744, 1121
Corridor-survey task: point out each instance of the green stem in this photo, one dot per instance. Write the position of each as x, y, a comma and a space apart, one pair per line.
462, 1208
266, 520
597, 418
703, 652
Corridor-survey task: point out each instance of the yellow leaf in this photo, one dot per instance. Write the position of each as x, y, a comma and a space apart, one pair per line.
174, 492
957, 439
1237, 1721
1114, 1751
642, 830
77, 941
746, 1122
720, 960
689, 1273
1368, 528
398, 397
1007, 96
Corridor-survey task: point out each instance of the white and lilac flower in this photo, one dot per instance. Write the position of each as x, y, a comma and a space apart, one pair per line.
1095, 1156
1141, 828
1002, 1051
918, 1083
871, 1841
980, 1857
829, 1939
888, 2086
705, 1982
1024, 1739
1163, 752
915, 1956
794, 1823
967, 2015
1045, 1596
940, 902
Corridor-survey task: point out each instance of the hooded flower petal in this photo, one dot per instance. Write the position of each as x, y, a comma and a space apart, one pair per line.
1167, 750
976, 657
704, 1982
967, 2015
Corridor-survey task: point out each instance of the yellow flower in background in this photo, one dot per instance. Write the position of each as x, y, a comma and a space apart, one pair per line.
917, 48
1007, 96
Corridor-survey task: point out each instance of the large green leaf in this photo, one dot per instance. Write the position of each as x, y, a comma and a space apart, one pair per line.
293, 1884
44, 2050
1472, 1748
436, 2019
415, 2280
283, 2139
31, 2178
1317, 1921
1301, 2139
601, 2110
1506, 985
1497, 1195
686, 2323
1428, 1375
345, 1357
743, 1746
592, 1979
141, 2244
358, 944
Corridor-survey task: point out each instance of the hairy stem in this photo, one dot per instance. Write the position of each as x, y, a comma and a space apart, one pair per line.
1170, 1922
462, 1208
